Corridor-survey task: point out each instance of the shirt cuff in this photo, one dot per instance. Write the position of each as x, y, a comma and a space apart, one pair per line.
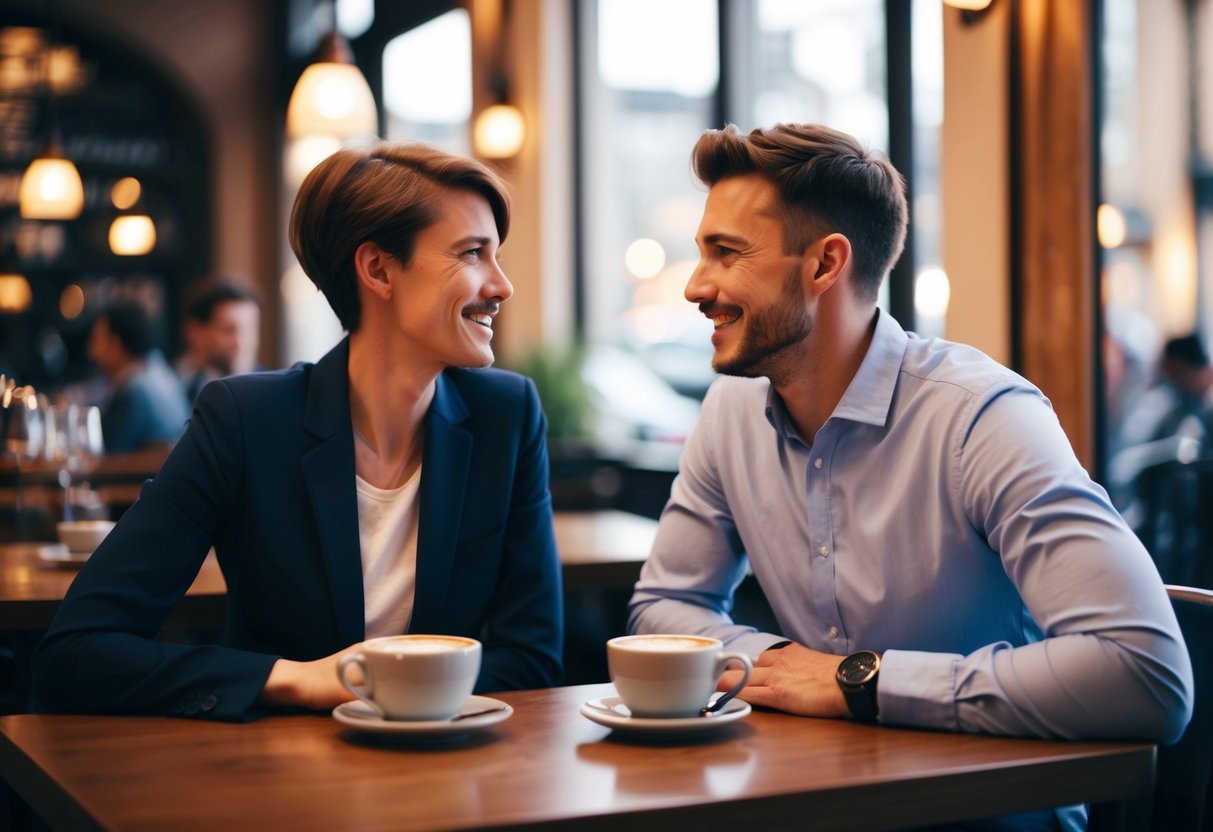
917, 689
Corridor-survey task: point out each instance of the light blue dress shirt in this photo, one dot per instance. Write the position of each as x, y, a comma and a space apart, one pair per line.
941, 516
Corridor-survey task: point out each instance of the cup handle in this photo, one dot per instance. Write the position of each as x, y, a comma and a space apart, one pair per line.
722, 664
363, 693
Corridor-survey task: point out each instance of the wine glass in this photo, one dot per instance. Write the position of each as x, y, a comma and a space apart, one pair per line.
54, 449
24, 433
86, 446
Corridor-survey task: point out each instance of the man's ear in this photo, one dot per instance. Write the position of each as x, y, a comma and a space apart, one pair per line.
371, 266
825, 261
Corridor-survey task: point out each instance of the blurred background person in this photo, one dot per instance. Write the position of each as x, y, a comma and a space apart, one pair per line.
1168, 424
146, 404
1184, 392
222, 331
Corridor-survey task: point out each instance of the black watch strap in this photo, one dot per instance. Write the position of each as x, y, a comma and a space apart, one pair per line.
862, 702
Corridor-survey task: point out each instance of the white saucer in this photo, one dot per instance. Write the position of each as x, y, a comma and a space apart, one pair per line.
359, 716
611, 712
58, 553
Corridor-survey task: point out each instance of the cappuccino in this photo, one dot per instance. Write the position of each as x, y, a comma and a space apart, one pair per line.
420, 644
669, 675
663, 643
414, 677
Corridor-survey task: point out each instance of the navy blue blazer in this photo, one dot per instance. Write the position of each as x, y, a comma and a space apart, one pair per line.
265, 474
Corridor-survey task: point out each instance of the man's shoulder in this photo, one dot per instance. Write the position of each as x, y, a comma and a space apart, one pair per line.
947, 366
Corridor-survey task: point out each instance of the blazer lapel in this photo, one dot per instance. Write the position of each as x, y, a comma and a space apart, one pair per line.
328, 469
446, 465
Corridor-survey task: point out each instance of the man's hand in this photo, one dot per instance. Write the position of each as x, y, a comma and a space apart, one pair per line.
793, 679
313, 685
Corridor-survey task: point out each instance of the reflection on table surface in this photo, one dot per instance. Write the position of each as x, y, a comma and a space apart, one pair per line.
547, 763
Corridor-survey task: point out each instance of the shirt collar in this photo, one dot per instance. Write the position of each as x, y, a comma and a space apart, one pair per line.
869, 396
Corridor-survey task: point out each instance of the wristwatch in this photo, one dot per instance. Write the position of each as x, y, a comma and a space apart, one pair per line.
857, 677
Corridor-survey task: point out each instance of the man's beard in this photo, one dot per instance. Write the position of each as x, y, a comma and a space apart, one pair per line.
768, 333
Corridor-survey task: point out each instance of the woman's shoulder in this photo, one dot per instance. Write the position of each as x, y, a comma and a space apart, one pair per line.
254, 391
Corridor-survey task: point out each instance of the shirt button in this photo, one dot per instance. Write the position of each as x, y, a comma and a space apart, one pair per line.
832, 632
824, 551
817, 463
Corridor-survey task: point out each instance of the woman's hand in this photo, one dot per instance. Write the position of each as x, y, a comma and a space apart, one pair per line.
313, 685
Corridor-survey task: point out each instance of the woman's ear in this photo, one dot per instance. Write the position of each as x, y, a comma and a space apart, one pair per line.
371, 265
829, 259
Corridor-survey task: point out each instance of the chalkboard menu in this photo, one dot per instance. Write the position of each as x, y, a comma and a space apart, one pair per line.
118, 115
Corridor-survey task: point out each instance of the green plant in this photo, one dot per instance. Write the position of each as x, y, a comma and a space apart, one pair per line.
556, 371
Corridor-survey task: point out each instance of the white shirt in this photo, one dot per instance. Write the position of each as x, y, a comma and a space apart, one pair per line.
387, 531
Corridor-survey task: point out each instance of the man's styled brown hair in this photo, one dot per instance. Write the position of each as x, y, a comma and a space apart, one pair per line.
828, 183
386, 194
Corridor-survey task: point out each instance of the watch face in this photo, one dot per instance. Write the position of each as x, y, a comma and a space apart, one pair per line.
858, 668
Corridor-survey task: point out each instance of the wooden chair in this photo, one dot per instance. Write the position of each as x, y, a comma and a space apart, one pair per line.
1177, 527
1182, 780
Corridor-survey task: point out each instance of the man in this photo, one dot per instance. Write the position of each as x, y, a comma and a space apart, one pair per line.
222, 333
912, 510
1184, 392
146, 404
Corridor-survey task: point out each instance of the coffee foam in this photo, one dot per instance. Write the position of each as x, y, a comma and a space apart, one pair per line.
666, 643
434, 644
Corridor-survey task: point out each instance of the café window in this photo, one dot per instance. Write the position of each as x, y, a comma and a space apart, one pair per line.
654, 76
427, 83
1155, 228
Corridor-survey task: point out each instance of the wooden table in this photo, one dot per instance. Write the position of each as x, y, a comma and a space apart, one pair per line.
545, 765
31, 590
598, 550
602, 549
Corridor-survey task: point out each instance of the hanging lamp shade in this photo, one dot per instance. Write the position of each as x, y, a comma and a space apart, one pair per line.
332, 96
51, 188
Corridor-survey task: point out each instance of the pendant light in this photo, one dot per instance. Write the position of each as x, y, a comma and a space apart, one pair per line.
15, 294
332, 96
499, 130
51, 188
131, 234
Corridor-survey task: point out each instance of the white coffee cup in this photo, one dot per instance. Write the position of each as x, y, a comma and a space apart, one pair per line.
83, 536
414, 677
666, 676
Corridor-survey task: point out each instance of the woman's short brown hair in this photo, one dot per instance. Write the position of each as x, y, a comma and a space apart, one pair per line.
828, 183
386, 194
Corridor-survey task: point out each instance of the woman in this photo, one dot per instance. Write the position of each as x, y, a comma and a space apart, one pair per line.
394, 486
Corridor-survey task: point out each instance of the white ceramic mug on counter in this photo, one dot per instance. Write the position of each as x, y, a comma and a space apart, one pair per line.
414, 677
669, 676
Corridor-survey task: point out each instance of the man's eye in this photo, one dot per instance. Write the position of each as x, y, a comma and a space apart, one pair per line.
725, 251
473, 252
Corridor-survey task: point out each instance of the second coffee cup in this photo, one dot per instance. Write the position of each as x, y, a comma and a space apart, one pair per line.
670, 676
414, 677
